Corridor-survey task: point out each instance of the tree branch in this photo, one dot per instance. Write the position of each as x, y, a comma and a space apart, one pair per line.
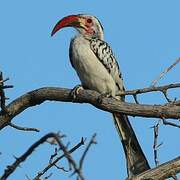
38, 96
166, 170
92, 141
3, 97
2, 93
53, 163
165, 71
23, 128
156, 145
10, 169
150, 89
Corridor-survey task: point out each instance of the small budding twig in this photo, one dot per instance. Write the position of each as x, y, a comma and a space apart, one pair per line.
165, 71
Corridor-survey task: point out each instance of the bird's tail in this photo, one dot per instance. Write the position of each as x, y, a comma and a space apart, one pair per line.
135, 158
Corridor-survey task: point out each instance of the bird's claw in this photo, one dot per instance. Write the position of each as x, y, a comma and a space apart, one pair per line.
75, 91
103, 95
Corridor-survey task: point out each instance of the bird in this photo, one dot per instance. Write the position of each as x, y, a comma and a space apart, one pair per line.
97, 68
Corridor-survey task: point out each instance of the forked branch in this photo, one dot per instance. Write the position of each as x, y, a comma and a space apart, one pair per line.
38, 96
11, 168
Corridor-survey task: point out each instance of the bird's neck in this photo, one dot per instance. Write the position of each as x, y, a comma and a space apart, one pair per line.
89, 37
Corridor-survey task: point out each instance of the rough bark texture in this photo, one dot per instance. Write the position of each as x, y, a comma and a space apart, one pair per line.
166, 170
38, 96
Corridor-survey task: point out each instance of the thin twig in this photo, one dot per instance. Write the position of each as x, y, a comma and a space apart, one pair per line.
61, 168
92, 141
149, 89
175, 102
135, 98
165, 122
23, 128
47, 177
59, 158
174, 176
28, 178
11, 168
165, 71
155, 145
71, 160
166, 96
3, 80
2, 93
7, 86
53, 155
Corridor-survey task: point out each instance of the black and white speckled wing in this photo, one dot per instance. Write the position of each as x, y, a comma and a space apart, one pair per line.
136, 161
105, 55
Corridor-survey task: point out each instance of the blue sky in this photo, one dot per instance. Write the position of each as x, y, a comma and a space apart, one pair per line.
144, 36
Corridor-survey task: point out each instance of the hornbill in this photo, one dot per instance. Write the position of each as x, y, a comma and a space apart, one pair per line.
98, 70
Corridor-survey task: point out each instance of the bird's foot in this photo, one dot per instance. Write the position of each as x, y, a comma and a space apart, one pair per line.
75, 91
103, 95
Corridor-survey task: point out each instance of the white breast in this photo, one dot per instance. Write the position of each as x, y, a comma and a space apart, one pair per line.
90, 70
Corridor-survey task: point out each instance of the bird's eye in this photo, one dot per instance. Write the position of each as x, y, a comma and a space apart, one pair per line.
89, 21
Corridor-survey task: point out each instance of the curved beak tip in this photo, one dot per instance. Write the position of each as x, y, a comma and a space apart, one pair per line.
55, 29
66, 21
52, 33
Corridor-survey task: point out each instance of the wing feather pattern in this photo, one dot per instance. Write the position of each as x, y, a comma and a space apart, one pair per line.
136, 160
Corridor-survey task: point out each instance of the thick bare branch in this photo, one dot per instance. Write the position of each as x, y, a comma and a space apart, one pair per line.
38, 96
166, 170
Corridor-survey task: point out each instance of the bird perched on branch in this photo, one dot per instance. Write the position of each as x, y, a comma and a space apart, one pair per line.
98, 70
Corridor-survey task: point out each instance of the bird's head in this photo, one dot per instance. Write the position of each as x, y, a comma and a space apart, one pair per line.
86, 25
